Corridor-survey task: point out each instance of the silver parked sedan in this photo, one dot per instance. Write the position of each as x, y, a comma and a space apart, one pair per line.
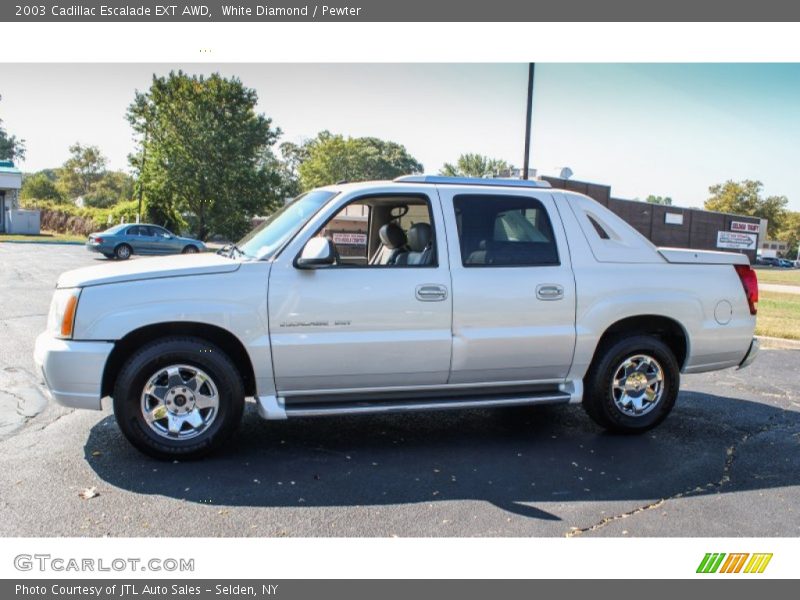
121, 241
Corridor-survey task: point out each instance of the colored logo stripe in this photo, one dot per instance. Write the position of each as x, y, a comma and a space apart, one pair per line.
734, 563
758, 563
713, 562
710, 563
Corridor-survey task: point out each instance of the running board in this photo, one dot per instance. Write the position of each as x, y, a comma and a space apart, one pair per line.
400, 406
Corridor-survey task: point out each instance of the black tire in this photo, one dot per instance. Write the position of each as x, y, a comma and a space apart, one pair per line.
157, 356
605, 404
190, 249
123, 252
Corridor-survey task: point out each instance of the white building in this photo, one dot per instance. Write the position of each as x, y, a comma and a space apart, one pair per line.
12, 219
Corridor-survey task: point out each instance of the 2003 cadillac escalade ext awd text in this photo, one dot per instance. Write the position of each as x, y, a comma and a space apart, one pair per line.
469, 293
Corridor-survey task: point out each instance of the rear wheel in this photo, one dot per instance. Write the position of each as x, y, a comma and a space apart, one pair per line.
632, 384
123, 252
178, 397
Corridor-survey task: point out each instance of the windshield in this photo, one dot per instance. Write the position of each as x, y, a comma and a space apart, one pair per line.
280, 227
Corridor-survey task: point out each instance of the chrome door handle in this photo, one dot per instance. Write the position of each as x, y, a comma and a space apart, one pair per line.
549, 291
430, 292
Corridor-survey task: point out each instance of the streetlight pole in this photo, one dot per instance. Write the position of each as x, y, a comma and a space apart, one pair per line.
528, 118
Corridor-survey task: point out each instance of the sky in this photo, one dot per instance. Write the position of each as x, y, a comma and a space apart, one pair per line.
664, 129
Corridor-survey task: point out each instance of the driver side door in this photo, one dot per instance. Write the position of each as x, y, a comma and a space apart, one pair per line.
352, 326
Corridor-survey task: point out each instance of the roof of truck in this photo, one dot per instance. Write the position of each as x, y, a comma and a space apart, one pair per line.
399, 182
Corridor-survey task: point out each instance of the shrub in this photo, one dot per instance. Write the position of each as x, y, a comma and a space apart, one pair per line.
68, 218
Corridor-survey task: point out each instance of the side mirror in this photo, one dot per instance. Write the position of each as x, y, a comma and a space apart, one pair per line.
318, 252
167, 235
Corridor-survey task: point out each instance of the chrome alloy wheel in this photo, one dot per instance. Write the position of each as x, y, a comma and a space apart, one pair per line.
638, 385
180, 402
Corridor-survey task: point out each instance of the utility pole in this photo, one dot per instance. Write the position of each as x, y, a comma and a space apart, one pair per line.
141, 172
528, 118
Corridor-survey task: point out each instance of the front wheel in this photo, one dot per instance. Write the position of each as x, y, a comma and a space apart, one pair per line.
632, 384
178, 398
189, 250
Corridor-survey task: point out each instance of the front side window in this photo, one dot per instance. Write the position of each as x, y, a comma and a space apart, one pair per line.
504, 231
383, 232
348, 230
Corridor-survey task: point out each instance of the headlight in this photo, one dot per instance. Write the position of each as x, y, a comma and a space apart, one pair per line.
63, 307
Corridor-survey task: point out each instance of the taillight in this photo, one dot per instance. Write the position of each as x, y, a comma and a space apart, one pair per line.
98, 240
750, 284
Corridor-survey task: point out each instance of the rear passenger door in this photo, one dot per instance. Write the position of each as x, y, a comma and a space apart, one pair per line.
133, 236
513, 287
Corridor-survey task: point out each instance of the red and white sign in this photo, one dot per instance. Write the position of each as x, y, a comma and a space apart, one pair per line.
350, 239
745, 227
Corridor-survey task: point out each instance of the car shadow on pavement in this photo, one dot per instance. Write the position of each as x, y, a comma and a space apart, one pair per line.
512, 458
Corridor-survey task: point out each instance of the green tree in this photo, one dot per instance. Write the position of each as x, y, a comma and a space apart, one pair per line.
84, 168
11, 147
40, 186
744, 198
111, 189
329, 158
790, 233
475, 165
203, 152
292, 156
665, 200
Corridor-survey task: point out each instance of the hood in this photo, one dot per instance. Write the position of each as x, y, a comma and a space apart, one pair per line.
192, 240
178, 265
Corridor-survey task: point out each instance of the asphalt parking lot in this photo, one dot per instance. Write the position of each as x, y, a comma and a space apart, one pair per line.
726, 462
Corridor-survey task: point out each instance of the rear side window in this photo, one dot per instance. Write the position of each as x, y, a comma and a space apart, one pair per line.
504, 231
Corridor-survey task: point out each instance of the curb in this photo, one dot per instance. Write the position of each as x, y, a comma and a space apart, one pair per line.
46, 242
775, 343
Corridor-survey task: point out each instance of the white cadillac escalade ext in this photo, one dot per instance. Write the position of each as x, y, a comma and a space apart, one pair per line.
462, 293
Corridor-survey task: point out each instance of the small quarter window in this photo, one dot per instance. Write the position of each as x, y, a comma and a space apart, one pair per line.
599, 229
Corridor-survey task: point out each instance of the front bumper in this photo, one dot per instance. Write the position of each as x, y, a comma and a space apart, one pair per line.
73, 371
751, 354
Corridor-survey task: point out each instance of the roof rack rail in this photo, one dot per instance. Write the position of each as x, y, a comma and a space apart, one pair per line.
497, 182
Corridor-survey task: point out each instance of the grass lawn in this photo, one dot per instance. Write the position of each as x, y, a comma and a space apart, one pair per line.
780, 276
778, 315
45, 236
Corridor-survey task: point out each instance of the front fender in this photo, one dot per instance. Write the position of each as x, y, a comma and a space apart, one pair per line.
235, 302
